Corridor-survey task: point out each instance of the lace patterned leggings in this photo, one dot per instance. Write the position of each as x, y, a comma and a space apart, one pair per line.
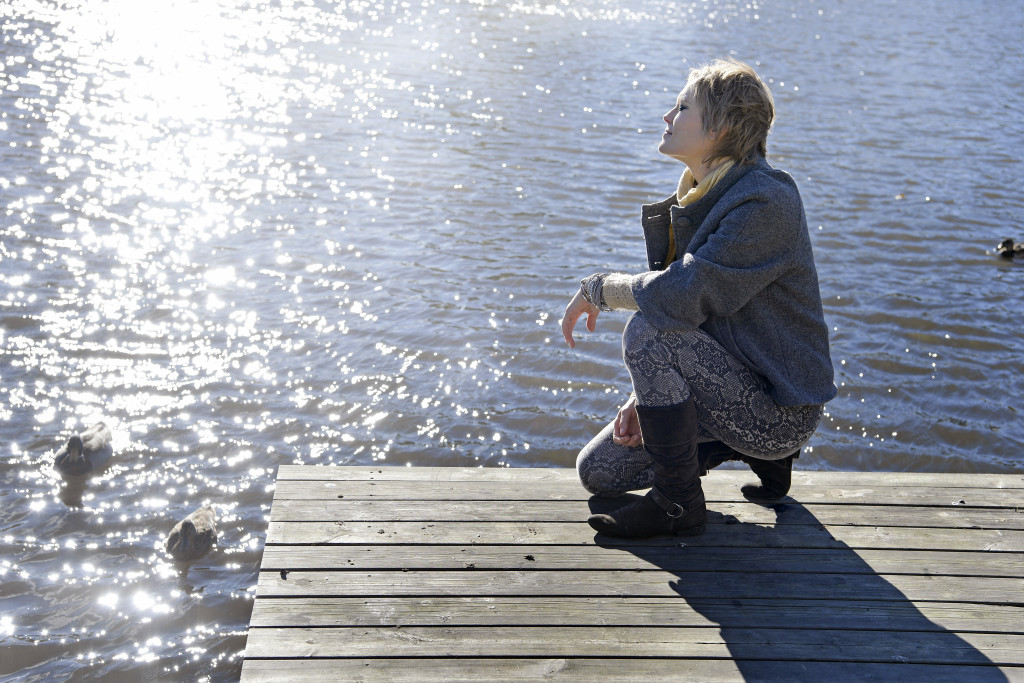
732, 406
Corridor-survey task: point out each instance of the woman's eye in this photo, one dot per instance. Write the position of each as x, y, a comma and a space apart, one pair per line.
682, 107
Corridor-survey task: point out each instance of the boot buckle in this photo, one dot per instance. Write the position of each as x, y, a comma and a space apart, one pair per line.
672, 509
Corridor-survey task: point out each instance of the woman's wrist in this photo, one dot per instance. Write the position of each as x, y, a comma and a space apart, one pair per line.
591, 287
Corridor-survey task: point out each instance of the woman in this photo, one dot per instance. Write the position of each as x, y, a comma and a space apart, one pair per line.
728, 348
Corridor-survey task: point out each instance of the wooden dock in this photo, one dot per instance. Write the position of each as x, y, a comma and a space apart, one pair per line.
445, 574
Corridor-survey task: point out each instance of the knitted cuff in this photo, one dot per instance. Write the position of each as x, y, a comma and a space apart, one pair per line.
617, 292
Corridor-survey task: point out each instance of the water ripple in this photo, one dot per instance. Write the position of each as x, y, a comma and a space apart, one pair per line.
247, 234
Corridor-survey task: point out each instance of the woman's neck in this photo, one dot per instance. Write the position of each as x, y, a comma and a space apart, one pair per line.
702, 171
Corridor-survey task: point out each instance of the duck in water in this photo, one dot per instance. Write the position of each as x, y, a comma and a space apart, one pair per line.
85, 452
194, 536
1007, 249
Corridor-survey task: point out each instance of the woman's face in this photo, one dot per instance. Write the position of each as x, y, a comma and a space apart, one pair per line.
684, 138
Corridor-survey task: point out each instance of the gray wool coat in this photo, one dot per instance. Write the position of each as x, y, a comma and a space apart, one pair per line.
746, 276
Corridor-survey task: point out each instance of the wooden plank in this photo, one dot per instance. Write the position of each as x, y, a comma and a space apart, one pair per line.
847, 645
482, 475
541, 557
650, 583
720, 534
570, 511
714, 492
888, 615
587, 670
476, 475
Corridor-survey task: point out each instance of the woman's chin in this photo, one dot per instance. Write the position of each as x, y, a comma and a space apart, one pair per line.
665, 152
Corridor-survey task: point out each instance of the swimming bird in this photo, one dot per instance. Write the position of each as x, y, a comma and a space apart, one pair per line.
85, 452
194, 536
1007, 249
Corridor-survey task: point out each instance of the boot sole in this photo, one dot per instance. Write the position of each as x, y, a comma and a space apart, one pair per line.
611, 532
762, 499
755, 493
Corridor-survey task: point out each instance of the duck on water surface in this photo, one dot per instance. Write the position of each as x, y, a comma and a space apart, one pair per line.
85, 452
194, 536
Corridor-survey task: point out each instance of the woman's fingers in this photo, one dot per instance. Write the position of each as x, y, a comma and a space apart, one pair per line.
569, 319
632, 441
626, 431
568, 322
577, 307
617, 432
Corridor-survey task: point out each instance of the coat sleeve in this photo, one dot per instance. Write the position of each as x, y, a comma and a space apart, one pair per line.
749, 249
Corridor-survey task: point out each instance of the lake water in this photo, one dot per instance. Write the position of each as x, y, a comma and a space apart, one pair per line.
249, 233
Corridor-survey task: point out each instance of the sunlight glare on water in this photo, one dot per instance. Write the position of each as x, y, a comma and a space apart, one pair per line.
247, 233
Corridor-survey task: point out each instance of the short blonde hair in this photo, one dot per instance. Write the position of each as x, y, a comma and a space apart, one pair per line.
735, 104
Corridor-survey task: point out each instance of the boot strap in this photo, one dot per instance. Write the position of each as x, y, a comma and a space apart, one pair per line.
673, 510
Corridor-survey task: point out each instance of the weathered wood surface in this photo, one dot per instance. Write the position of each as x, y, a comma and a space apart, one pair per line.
831, 613
714, 559
377, 573
589, 670
716, 492
480, 475
569, 511
729, 535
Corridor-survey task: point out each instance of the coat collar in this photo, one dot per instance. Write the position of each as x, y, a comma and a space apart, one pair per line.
697, 211
656, 219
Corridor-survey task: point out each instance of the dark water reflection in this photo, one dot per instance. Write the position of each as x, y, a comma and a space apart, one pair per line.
250, 234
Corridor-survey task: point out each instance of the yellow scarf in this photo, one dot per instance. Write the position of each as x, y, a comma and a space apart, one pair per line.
690, 191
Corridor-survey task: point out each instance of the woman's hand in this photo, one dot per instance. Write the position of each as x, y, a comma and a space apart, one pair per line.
576, 308
626, 431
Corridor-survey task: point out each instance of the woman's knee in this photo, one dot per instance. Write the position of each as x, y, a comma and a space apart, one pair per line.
639, 339
593, 471
609, 470
598, 482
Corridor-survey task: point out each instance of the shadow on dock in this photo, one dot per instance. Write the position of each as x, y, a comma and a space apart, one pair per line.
781, 615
